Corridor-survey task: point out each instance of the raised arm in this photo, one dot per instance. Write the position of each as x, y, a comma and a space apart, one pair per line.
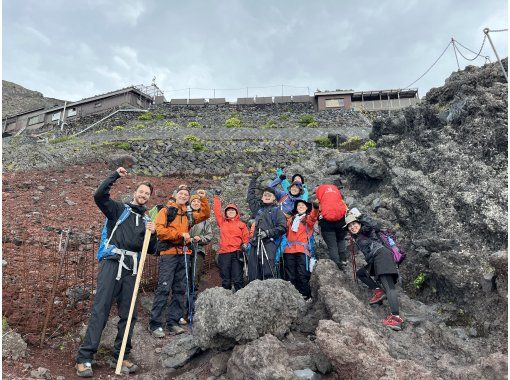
110, 208
205, 210
217, 211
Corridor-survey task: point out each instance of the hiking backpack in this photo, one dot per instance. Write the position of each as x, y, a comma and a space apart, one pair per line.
333, 207
171, 214
105, 248
390, 242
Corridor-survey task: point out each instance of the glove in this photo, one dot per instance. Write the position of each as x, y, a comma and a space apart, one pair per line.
263, 234
315, 204
217, 191
282, 176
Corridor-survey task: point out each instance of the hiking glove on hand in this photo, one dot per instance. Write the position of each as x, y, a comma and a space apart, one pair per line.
217, 191
315, 204
263, 234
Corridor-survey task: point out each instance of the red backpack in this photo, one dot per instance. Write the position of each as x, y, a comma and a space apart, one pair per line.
332, 204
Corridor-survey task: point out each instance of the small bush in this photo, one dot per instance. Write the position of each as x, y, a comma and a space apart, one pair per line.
269, 124
140, 126
60, 139
306, 119
199, 146
419, 280
353, 143
194, 124
233, 122
170, 124
284, 117
118, 128
145, 116
101, 131
159, 116
191, 138
313, 124
370, 144
324, 142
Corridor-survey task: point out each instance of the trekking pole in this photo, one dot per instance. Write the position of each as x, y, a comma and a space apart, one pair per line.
353, 259
145, 246
259, 252
264, 253
185, 251
193, 276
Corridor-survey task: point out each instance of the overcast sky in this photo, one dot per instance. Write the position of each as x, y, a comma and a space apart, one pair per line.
75, 49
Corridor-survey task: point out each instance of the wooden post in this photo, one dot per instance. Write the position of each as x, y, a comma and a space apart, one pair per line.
145, 246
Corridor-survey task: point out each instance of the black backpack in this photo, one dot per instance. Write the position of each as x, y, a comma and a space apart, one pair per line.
171, 213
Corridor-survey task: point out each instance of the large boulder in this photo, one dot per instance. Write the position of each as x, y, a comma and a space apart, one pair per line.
359, 353
223, 319
13, 346
264, 358
179, 351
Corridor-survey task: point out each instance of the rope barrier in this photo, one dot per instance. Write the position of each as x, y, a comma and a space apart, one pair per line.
498, 30
476, 54
425, 73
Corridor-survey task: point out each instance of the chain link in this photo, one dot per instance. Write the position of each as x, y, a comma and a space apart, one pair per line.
498, 30
477, 54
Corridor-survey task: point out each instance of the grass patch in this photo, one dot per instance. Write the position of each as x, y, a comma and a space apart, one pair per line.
170, 124
370, 144
233, 122
419, 280
284, 117
269, 124
352, 143
60, 139
159, 116
194, 124
119, 128
323, 142
306, 120
191, 138
118, 144
140, 126
99, 131
145, 116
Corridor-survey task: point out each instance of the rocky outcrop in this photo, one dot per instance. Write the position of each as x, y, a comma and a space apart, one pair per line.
358, 352
264, 359
13, 346
17, 99
223, 318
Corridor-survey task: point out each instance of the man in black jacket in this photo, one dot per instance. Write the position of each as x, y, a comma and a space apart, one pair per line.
269, 226
117, 274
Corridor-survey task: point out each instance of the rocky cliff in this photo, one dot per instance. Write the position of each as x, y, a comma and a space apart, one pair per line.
17, 99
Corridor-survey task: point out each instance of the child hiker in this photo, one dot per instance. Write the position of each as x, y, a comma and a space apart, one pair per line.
234, 238
284, 182
380, 264
297, 250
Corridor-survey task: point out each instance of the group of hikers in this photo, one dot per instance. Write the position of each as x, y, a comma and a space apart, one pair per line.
277, 244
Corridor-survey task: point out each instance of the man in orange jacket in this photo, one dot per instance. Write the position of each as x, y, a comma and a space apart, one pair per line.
173, 223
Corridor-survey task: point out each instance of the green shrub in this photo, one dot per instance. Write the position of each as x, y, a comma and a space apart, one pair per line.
419, 280
269, 124
313, 124
118, 144
198, 146
370, 144
191, 138
159, 116
233, 122
306, 119
145, 116
140, 126
118, 128
101, 131
324, 142
352, 143
194, 124
284, 117
170, 124
60, 139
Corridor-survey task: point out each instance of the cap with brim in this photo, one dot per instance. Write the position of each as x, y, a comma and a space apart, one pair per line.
308, 206
349, 219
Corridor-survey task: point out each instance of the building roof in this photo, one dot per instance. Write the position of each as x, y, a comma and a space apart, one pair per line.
367, 95
89, 100
342, 92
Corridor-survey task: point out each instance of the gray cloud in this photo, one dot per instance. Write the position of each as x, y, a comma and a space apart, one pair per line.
75, 50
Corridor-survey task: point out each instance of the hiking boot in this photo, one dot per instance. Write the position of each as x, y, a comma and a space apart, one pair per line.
176, 329
84, 369
127, 366
157, 333
394, 322
183, 322
378, 296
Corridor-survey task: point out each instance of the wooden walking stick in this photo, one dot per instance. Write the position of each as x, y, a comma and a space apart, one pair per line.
145, 246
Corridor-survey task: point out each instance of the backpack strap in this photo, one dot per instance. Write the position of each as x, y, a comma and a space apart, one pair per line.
122, 218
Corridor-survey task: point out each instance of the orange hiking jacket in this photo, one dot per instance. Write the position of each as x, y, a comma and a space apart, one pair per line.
297, 242
233, 232
173, 232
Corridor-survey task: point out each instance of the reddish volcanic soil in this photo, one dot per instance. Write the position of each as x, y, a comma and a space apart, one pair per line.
36, 206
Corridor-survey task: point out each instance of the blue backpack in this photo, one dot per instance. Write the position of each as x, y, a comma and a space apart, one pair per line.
105, 248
